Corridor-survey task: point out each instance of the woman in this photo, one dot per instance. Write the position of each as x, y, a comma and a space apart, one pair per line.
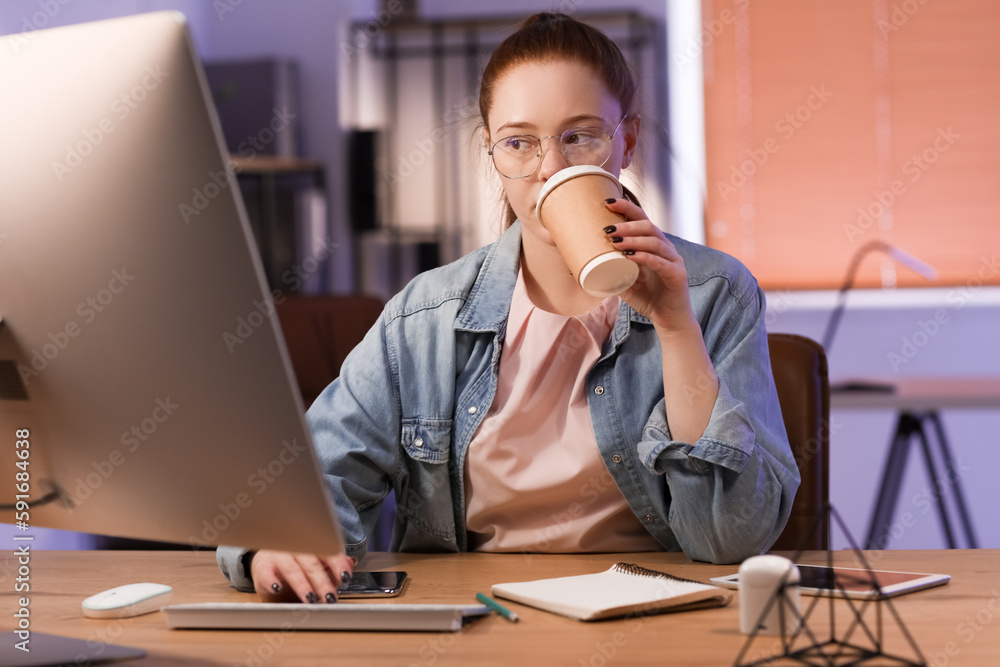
509, 410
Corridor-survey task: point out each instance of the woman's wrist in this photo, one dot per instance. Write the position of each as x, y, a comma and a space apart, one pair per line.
683, 330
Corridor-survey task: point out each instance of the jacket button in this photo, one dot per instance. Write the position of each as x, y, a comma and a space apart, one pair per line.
598, 390
649, 518
616, 458
418, 442
472, 410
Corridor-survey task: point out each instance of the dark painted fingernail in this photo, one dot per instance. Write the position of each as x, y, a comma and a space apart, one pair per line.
610, 200
628, 252
311, 597
330, 598
276, 587
345, 579
609, 229
616, 239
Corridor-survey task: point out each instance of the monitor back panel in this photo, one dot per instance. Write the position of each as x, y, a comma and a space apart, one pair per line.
157, 390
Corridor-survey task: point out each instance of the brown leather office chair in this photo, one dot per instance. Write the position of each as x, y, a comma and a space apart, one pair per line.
320, 331
800, 376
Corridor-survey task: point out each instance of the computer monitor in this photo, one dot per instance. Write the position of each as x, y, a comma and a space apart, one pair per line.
143, 375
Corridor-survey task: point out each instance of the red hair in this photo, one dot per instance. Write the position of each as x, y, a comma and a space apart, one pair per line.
548, 37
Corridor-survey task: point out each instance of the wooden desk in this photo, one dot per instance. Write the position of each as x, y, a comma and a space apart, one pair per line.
957, 624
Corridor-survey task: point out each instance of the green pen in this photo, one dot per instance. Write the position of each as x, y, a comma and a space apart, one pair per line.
497, 607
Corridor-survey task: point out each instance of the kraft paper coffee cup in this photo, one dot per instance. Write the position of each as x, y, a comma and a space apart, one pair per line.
571, 207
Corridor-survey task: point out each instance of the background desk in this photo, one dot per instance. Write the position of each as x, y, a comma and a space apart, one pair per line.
958, 624
917, 401
922, 393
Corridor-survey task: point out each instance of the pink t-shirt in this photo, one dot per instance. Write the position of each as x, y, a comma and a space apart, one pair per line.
534, 478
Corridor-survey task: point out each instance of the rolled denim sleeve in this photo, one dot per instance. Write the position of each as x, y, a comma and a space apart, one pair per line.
731, 491
231, 562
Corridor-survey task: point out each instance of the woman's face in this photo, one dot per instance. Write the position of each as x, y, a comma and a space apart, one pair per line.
545, 99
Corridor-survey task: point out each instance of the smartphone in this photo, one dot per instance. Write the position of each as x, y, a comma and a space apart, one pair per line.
852, 582
373, 585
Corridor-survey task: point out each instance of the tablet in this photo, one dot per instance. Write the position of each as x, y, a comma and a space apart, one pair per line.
852, 582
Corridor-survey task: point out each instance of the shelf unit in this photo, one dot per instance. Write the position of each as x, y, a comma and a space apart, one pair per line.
285, 198
415, 84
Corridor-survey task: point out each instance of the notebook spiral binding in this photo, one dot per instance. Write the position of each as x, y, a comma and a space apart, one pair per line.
640, 571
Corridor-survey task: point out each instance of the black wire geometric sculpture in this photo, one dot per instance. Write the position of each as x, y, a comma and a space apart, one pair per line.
833, 651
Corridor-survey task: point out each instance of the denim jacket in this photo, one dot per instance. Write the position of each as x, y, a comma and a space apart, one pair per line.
411, 395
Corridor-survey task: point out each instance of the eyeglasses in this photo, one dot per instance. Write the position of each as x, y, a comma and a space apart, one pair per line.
520, 155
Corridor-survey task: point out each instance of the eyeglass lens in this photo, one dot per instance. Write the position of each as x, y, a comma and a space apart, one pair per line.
519, 156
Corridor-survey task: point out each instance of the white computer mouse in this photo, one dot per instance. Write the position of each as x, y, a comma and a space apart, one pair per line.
127, 600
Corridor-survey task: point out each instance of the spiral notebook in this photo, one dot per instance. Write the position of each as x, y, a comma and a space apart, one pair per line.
625, 589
